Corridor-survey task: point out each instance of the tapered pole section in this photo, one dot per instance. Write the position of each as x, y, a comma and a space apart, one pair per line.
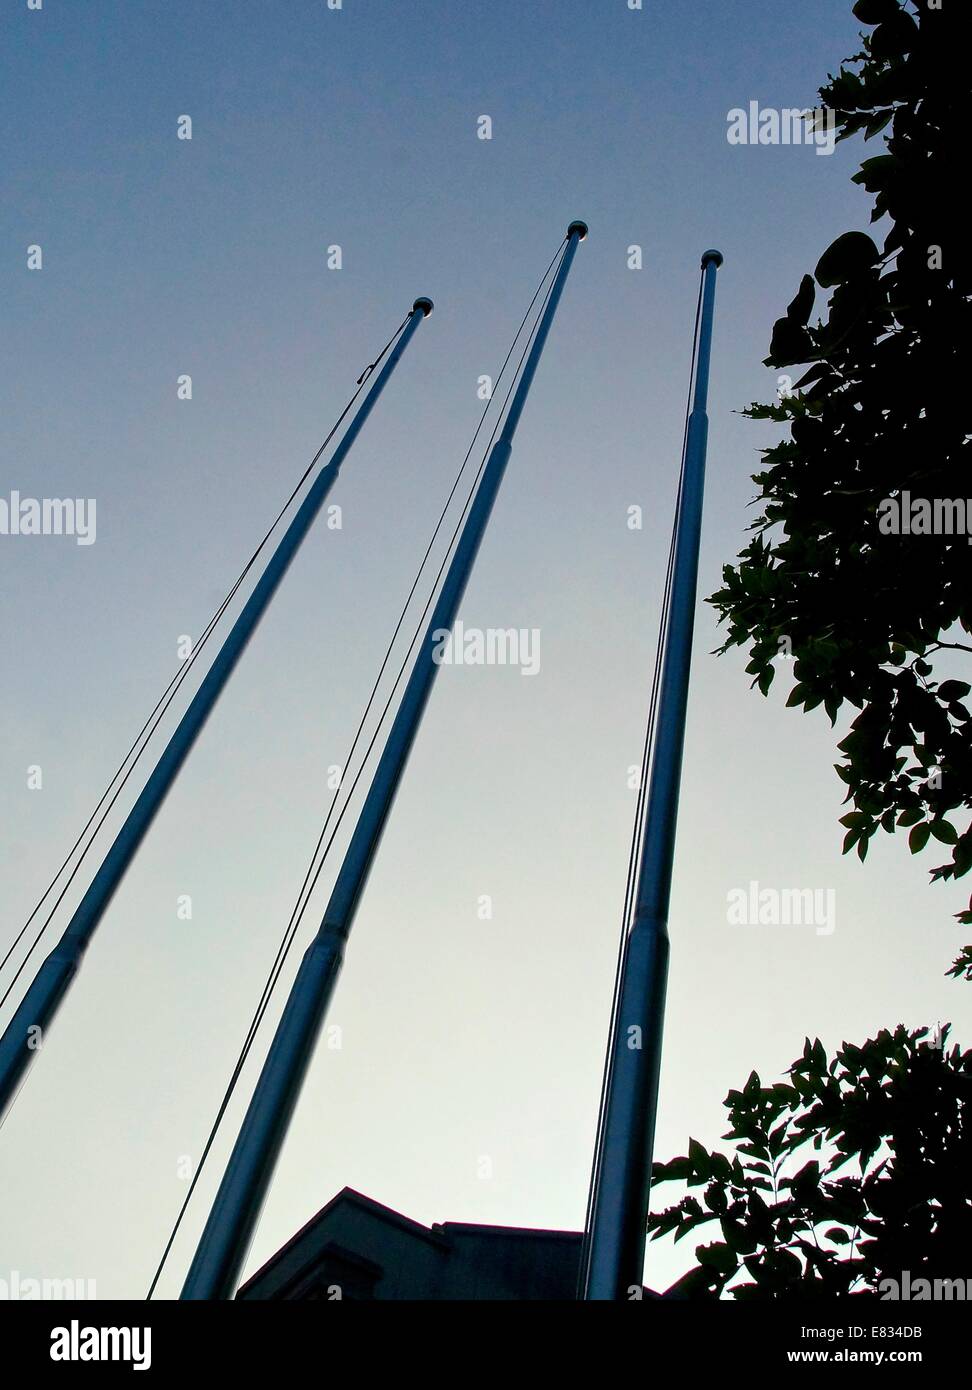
215, 1270
623, 1172
28, 1026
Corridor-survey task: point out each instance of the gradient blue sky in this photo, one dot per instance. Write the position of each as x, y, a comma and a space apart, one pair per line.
462, 1039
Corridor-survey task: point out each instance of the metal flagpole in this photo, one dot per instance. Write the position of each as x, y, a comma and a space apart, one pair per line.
26, 1029
619, 1207
225, 1240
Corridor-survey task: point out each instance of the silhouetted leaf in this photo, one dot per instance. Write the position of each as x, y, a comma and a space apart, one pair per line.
846, 257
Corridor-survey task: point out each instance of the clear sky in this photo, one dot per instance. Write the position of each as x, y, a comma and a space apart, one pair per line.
466, 1085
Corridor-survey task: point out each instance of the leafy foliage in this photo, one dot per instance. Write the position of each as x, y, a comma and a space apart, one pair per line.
900, 1109
869, 616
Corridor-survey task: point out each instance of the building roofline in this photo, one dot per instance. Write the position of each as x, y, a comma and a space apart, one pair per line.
355, 1198
516, 1232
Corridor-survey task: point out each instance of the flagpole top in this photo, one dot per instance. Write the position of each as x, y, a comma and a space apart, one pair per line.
716, 257
425, 304
580, 228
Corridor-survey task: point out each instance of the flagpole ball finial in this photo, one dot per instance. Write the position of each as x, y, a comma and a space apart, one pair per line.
423, 303
580, 228
716, 257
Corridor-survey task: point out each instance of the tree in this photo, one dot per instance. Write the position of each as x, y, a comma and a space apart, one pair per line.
902, 1108
850, 568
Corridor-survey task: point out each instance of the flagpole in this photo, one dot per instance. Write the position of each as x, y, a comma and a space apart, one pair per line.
28, 1026
222, 1249
619, 1207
